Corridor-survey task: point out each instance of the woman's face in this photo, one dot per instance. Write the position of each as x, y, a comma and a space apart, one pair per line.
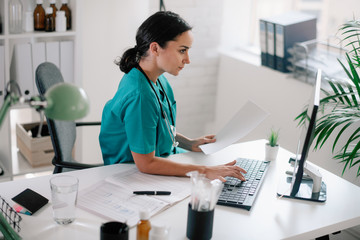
175, 55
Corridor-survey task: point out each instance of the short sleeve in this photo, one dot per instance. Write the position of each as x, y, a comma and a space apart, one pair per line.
141, 120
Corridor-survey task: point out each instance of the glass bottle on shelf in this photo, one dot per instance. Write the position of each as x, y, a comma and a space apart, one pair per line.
53, 6
49, 20
39, 16
64, 7
15, 16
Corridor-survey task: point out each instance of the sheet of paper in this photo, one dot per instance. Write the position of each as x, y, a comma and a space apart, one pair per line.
244, 121
117, 203
113, 197
179, 187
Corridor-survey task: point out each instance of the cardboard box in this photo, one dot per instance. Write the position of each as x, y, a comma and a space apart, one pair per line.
38, 151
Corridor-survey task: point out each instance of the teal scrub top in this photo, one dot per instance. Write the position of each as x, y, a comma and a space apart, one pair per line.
132, 120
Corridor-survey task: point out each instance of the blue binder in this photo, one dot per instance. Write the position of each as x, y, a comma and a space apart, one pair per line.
270, 33
283, 31
291, 28
263, 43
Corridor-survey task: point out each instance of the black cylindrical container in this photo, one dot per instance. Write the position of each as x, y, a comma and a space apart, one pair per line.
114, 231
199, 224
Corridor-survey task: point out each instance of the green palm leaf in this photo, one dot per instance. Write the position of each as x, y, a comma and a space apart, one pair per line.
341, 107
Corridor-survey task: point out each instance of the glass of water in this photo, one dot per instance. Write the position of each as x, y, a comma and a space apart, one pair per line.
64, 189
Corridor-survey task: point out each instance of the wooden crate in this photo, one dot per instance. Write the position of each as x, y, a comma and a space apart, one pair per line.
37, 151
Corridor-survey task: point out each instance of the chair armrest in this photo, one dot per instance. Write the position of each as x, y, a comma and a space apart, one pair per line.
80, 124
74, 165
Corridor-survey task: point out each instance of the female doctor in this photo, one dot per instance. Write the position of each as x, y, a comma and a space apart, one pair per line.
138, 123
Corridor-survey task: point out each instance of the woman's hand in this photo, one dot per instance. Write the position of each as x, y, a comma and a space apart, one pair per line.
222, 171
200, 141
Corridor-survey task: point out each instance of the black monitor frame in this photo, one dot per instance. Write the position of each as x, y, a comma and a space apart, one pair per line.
296, 186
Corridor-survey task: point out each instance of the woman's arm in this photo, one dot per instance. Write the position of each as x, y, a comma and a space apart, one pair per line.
149, 163
193, 144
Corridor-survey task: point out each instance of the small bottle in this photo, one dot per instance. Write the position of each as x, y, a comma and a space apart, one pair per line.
143, 227
60, 21
29, 22
158, 232
39, 16
49, 20
53, 6
64, 7
15, 16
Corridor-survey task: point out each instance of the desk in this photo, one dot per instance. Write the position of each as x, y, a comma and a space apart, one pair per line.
270, 217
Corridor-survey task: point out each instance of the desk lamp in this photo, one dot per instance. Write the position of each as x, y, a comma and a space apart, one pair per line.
63, 101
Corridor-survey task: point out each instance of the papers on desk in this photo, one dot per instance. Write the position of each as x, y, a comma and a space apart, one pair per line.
113, 197
245, 120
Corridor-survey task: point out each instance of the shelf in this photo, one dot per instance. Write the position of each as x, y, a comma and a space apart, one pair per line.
7, 174
21, 166
12, 160
40, 34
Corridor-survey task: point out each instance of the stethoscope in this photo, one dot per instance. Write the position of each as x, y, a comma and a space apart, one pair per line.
170, 127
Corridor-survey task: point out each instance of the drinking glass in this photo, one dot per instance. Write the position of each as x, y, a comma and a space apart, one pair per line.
64, 189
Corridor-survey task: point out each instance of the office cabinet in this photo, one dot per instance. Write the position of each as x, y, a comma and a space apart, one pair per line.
21, 54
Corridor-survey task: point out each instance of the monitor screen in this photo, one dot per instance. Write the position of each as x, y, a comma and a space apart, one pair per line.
307, 136
297, 185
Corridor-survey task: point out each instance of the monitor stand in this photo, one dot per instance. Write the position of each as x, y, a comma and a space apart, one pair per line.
311, 189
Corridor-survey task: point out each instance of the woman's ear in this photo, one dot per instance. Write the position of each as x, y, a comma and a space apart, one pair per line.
154, 48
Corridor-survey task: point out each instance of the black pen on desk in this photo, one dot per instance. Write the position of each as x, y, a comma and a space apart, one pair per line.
152, 192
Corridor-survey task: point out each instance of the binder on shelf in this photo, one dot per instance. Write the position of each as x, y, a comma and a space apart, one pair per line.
67, 60
290, 28
53, 53
263, 43
21, 68
38, 57
2, 74
270, 33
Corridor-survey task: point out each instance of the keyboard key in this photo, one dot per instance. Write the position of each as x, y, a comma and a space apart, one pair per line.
236, 192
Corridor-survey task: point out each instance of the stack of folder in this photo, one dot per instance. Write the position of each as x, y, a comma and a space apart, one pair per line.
281, 32
27, 57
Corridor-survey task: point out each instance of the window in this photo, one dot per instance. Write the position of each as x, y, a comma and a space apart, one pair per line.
241, 17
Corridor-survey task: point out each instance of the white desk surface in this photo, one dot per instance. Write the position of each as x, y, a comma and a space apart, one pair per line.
269, 218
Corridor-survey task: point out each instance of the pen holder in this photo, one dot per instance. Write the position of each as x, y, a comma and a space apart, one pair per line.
199, 224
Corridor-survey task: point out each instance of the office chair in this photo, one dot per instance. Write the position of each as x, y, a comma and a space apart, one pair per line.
63, 133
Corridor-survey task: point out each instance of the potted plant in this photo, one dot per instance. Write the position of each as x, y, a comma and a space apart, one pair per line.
341, 106
272, 146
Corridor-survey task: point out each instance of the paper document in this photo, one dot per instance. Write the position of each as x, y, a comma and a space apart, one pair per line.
245, 120
113, 197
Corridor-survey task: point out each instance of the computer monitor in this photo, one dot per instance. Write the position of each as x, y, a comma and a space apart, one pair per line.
309, 186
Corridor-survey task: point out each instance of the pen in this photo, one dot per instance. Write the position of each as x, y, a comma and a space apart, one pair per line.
152, 192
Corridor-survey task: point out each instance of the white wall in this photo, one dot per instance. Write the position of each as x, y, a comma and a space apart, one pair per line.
195, 86
107, 29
